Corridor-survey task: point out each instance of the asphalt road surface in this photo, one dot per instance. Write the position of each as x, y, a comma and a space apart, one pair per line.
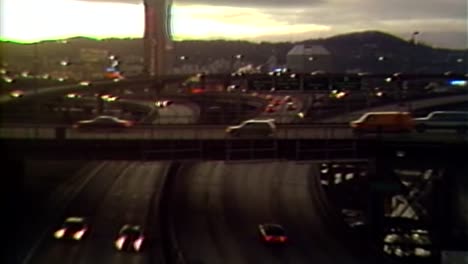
217, 207
117, 193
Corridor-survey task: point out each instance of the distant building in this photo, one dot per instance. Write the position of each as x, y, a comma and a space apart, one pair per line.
305, 58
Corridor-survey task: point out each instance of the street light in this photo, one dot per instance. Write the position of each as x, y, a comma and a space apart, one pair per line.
413, 37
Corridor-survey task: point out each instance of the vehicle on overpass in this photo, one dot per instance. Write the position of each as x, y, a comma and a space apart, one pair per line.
253, 128
271, 233
17, 93
377, 122
163, 103
456, 120
103, 122
291, 106
270, 108
130, 238
73, 228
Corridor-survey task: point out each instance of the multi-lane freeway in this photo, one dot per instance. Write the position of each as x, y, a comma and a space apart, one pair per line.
214, 210
109, 194
216, 207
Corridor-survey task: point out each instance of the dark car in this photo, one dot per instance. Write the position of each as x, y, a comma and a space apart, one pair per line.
272, 233
73, 228
103, 122
456, 120
130, 238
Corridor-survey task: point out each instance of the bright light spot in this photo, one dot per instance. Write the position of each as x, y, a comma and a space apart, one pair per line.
420, 252
59, 19
202, 21
119, 242
59, 233
78, 235
349, 176
389, 79
458, 82
8, 79
301, 115
324, 182
338, 178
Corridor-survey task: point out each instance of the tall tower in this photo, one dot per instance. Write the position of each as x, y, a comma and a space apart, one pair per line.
158, 37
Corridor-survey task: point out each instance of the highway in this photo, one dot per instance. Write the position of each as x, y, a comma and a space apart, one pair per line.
410, 106
216, 207
117, 193
213, 132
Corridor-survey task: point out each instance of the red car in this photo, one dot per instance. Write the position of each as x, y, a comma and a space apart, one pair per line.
270, 108
272, 233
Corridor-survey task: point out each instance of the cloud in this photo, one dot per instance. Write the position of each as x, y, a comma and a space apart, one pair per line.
321, 18
237, 3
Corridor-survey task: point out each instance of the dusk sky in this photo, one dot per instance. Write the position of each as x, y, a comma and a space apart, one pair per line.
440, 23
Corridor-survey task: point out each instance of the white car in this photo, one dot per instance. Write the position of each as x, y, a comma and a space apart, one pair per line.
253, 128
457, 120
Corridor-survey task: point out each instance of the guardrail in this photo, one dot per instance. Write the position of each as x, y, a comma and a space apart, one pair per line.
171, 131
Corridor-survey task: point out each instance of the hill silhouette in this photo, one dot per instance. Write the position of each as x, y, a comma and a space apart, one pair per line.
364, 51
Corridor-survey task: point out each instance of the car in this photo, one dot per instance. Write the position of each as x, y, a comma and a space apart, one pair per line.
287, 99
277, 102
163, 103
291, 106
130, 238
109, 97
73, 228
271, 233
270, 108
103, 122
457, 120
253, 127
17, 93
73, 95
372, 122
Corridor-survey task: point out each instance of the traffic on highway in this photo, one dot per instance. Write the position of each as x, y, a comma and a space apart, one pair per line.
234, 132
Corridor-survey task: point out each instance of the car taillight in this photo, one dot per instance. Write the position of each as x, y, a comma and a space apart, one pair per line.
137, 243
119, 243
78, 235
268, 238
283, 239
59, 233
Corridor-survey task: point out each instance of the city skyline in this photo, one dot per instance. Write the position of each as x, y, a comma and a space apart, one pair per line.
439, 24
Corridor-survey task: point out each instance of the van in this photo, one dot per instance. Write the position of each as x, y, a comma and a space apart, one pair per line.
373, 122
253, 128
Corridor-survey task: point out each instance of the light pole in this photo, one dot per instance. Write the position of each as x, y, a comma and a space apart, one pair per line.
414, 43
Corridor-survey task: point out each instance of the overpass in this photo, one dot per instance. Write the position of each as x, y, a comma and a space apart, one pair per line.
203, 148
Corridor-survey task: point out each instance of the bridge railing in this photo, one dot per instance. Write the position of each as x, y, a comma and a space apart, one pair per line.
169, 131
